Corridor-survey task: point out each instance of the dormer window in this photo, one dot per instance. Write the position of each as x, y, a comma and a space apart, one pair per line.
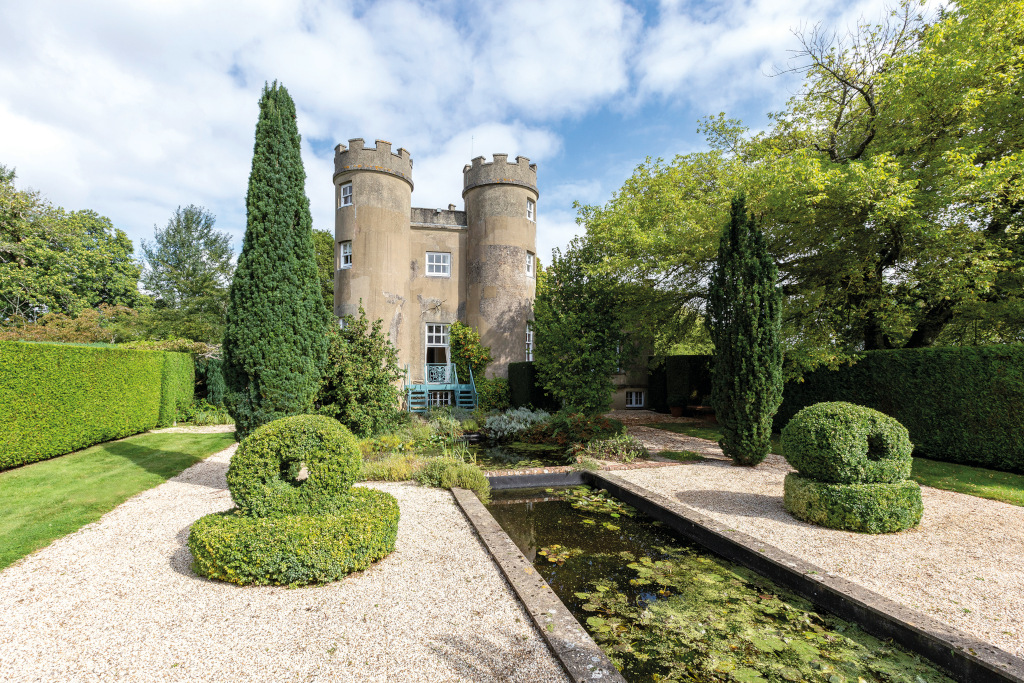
346, 194
344, 255
531, 259
531, 209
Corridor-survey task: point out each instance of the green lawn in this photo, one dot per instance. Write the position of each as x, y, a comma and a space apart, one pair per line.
703, 430
46, 500
975, 481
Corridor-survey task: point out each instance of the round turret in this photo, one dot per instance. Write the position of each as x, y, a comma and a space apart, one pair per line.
501, 208
373, 199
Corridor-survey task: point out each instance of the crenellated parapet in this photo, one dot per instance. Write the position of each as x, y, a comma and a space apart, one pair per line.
499, 172
357, 157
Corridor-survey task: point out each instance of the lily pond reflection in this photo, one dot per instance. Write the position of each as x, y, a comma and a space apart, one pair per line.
663, 609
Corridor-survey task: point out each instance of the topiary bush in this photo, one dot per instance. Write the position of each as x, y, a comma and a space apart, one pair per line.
853, 464
286, 531
263, 471
843, 443
296, 549
867, 508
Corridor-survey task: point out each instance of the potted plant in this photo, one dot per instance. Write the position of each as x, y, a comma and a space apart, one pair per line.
676, 404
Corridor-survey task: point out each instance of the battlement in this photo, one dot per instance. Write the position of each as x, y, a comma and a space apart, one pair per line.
358, 157
499, 172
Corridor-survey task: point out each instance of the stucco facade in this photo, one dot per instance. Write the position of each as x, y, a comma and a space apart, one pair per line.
419, 269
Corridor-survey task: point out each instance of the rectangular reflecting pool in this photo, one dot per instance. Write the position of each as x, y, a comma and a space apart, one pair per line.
663, 609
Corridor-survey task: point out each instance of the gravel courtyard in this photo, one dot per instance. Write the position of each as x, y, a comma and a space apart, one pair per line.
116, 601
964, 564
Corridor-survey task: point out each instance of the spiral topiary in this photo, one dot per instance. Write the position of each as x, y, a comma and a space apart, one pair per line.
853, 464
287, 531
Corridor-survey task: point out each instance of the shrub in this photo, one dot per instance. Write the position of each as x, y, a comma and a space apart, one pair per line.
447, 472
960, 404
842, 443
510, 424
393, 467
296, 549
869, 508
360, 389
57, 398
177, 390
493, 394
210, 380
385, 443
201, 413
565, 428
523, 389
263, 471
619, 448
468, 353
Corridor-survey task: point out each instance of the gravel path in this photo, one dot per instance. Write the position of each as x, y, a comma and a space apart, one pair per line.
963, 565
656, 440
116, 601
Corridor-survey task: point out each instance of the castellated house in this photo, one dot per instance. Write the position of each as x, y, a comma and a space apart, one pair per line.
420, 270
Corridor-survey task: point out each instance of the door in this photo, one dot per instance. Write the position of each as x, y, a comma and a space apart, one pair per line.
438, 354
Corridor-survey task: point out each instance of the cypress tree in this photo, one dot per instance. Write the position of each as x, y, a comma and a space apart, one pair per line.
275, 344
743, 319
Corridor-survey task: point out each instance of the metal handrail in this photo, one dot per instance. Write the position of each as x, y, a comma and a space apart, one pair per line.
440, 373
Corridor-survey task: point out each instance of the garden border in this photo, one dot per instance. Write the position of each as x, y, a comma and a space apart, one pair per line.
967, 658
572, 646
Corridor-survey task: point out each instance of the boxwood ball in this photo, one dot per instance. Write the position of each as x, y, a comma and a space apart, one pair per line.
843, 443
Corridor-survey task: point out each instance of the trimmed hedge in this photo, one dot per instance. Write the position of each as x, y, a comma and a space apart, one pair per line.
296, 549
261, 476
679, 381
177, 387
960, 404
840, 443
524, 390
867, 508
58, 398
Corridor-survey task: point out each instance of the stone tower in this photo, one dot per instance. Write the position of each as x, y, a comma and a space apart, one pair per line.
501, 209
419, 270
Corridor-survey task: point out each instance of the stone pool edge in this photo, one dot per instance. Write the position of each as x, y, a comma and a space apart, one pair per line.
969, 659
572, 646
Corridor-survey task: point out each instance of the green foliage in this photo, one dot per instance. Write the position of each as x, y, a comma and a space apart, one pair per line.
682, 456
492, 394
57, 398
188, 270
877, 508
843, 443
687, 380
594, 501
296, 549
360, 388
446, 473
201, 413
524, 390
57, 261
960, 404
393, 467
743, 318
577, 331
46, 500
565, 428
323, 244
210, 380
177, 390
263, 471
974, 481
619, 448
467, 352
275, 345
104, 324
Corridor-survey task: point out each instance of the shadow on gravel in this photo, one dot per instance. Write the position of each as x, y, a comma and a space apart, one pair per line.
212, 475
478, 660
737, 503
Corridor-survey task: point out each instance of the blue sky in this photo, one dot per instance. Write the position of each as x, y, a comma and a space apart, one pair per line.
132, 107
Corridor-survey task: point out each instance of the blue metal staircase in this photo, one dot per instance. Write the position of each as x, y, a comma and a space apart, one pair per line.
440, 377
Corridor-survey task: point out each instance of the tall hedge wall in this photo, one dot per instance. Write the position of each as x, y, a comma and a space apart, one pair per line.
960, 404
177, 386
523, 389
57, 398
679, 381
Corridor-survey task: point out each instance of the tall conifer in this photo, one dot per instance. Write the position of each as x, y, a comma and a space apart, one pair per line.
276, 340
744, 322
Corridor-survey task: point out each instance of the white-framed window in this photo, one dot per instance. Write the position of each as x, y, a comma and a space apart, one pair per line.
529, 341
439, 264
346, 195
437, 334
634, 399
344, 255
531, 263
440, 398
531, 209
